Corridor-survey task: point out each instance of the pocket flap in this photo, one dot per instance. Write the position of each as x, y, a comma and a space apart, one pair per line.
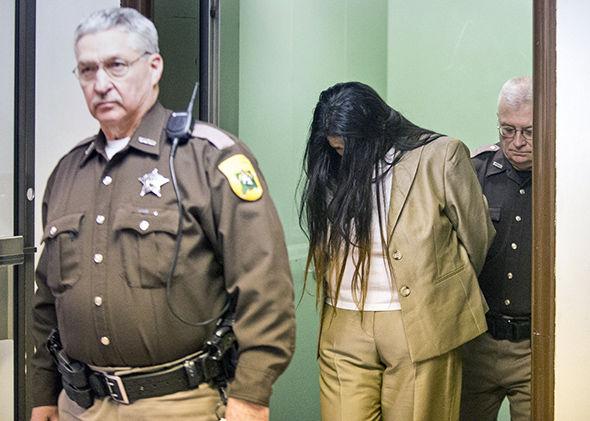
66, 223
145, 221
495, 214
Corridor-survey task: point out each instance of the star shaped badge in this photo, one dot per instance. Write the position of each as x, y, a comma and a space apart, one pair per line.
152, 182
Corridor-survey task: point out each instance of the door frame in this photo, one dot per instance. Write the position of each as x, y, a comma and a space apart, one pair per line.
543, 258
24, 197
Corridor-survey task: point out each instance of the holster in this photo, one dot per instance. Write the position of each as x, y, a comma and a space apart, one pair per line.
74, 374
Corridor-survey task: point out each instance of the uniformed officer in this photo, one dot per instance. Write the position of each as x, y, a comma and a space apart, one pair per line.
111, 222
497, 364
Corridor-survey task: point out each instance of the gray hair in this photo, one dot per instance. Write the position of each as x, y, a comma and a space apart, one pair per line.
516, 92
145, 36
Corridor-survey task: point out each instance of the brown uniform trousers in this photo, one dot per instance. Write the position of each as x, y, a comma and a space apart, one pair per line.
492, 370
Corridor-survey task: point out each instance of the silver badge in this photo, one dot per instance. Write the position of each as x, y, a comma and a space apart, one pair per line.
147, 141
152, 182
497, 165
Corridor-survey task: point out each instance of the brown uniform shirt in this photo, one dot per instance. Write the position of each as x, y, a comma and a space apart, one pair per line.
102, 274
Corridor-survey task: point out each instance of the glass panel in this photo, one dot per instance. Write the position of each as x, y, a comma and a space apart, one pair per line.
7, 42
7, 118
178, 31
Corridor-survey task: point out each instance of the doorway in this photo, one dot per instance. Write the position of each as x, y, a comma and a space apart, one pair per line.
17, 175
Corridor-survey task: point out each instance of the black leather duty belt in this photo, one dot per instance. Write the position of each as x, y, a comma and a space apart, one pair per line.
514, 329
127, 389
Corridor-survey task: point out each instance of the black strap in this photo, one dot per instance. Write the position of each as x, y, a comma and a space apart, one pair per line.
129, 388
514, 329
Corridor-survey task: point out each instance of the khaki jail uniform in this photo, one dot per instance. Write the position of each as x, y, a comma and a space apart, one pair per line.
406, 362
102, 273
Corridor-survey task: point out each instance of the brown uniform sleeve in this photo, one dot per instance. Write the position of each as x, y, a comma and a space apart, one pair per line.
255, 260
46, 383
466, 206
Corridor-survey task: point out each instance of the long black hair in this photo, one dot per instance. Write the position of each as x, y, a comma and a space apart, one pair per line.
336, 208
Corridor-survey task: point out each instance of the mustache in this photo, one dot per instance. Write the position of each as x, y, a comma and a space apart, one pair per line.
100, 101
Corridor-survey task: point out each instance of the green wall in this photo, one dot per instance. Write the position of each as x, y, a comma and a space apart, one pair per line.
229, 65
289, 52
448, 60
439, 63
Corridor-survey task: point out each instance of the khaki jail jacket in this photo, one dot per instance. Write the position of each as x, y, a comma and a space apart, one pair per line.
439, 233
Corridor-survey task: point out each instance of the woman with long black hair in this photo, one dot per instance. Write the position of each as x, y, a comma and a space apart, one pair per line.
398, 231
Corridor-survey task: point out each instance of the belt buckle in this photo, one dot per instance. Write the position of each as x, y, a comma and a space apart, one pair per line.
511, 329
116, 388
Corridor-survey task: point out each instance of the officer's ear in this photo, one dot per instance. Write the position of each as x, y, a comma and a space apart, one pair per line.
156, 63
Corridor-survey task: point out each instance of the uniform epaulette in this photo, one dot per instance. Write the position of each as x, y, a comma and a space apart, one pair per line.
88, 143
215, 136
483, 149
85, 141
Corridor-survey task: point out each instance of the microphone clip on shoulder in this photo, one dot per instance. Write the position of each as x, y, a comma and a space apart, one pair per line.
180, 123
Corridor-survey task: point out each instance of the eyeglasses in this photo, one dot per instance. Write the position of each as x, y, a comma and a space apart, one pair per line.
509, 132
114, 67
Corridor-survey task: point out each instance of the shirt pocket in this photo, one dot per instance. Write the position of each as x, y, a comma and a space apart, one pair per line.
62, 246
147, 240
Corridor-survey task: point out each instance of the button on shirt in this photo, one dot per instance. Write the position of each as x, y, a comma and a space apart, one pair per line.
506, 276
107, 252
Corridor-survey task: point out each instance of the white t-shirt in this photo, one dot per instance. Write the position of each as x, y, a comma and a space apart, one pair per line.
381, 295
114, 146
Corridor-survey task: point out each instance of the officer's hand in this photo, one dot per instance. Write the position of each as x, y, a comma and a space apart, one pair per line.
45, 413
239, 410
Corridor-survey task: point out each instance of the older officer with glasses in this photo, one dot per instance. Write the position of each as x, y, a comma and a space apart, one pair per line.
497, 364
140, 337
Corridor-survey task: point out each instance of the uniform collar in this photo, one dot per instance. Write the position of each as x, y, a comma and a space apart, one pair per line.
148, 138
500, 163
519, 177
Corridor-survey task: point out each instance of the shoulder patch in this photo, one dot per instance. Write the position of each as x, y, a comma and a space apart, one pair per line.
487, 148
214, 135
242, 177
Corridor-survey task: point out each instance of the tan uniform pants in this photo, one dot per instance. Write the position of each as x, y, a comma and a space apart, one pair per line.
366, 373
493, 370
